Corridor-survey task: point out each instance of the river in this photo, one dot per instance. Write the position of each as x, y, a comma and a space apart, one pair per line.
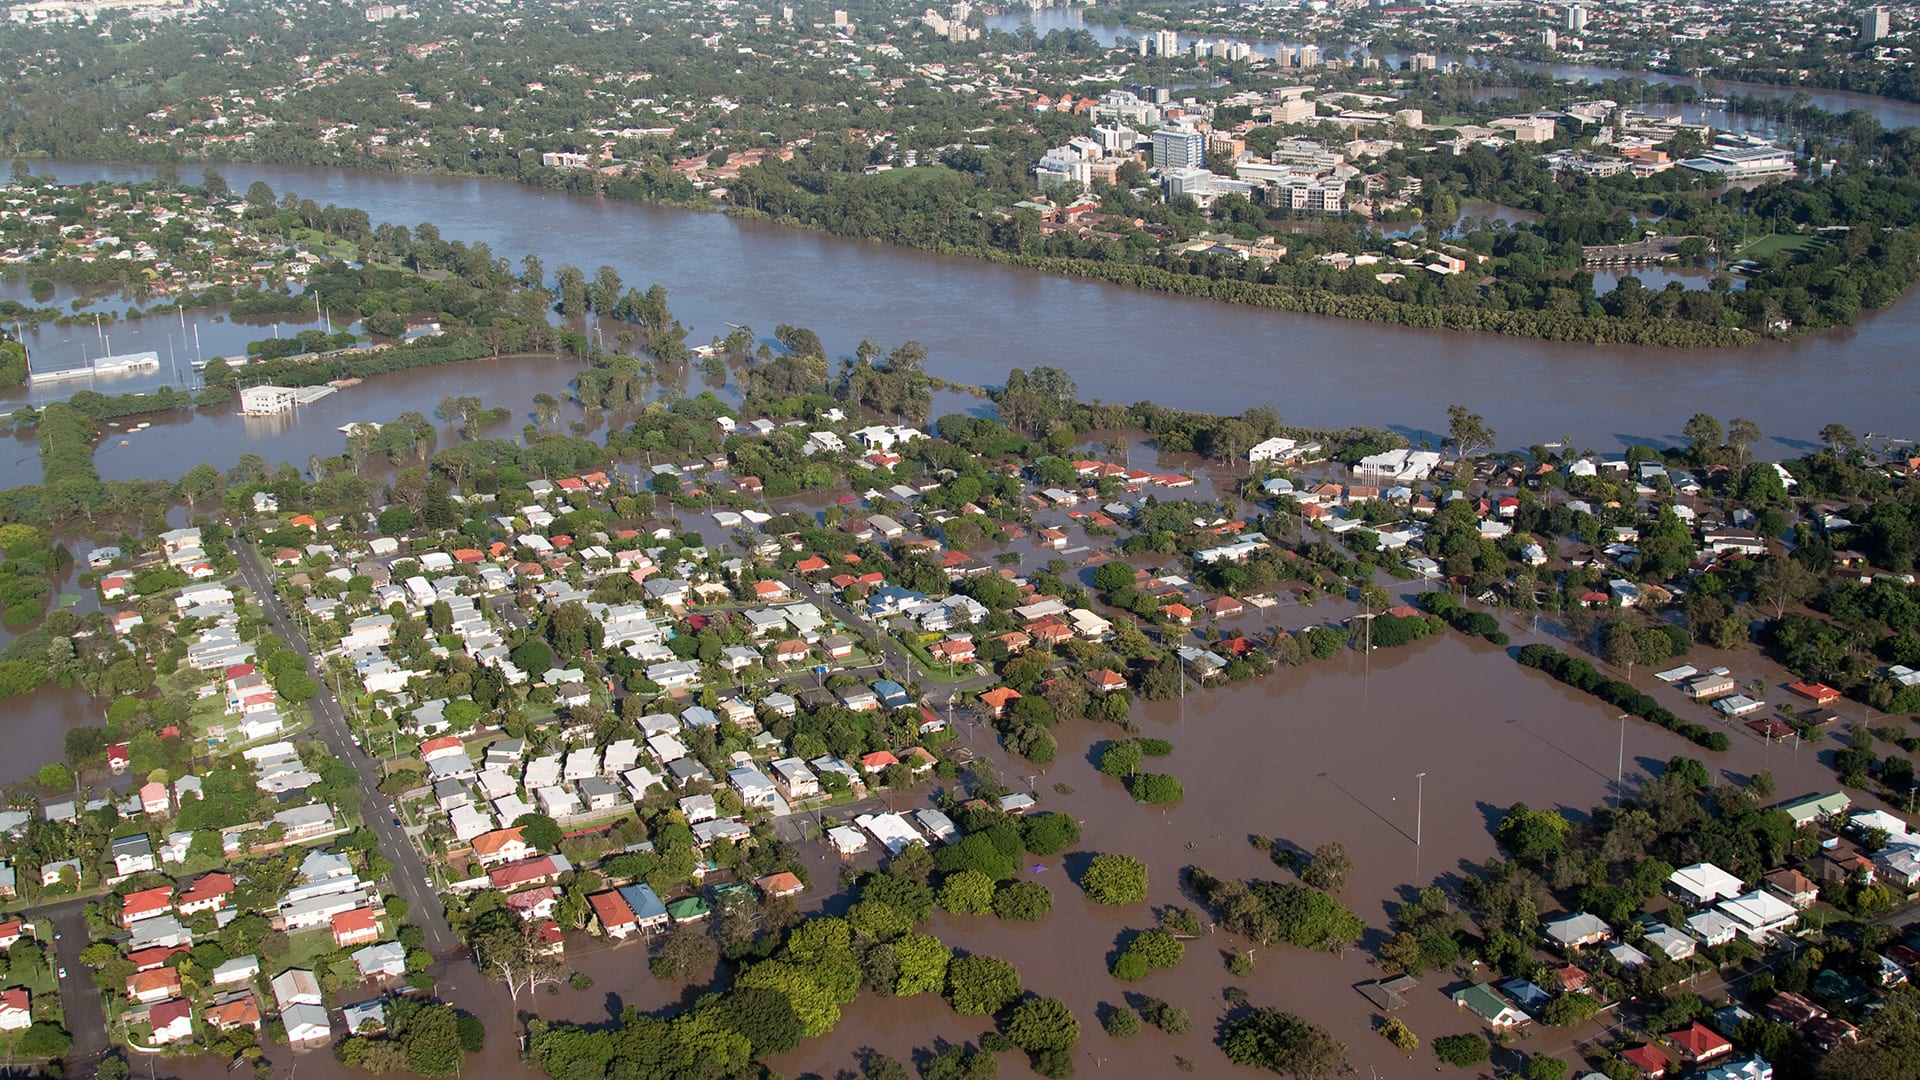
978, 320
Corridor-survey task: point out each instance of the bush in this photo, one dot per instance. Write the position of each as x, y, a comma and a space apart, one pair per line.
1396, 1031
1156, 788
1461, 1051
1167, 1018
1049, 833
1022, 901
1115, 880
1149, 950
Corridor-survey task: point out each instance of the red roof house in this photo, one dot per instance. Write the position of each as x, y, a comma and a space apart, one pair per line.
357, 927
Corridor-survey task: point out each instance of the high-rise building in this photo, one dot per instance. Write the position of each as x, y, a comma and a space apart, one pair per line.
1576, 19
1165, 43
840, 19
1179, 148
1875, 24
1549, 39
1308, 56
1423, 62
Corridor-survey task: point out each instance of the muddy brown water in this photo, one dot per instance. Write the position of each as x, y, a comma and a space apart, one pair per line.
978, 320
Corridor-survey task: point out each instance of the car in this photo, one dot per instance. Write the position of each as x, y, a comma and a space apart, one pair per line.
396, 823
63, 973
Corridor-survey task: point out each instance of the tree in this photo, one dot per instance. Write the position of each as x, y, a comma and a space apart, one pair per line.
1121, 1022
923, 962
43, 1039
1467, 433
1149, 950
1535, 836
1121, 758
540, 831
1328, 868
1158, 789
1741, 435
1541, 1067
1043, 1023
969, 892
1783, 582
1461, 1050
1115, 880
432, 1039
1283, 1043
512, 955
1705, 435
1839, 439
686, 954
1396, 1031
1022, 901
981, 985
1049, 833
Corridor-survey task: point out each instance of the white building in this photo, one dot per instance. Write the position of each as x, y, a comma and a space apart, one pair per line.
268, 400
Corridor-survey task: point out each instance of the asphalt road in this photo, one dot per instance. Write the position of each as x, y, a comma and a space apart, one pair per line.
409, 877
79, 995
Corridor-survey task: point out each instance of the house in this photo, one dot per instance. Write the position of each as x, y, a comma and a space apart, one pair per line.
1652, 1061
10, 933
1699, 1044
753, 786
1577, 930
501, 846
1793, 1010
357, 927
1814, 808
145, 904
780, 884
172, 1021
234, 1013
209, 892
610, 911
1106, 681
240, 969
1760, 915
307, 1024
999, 698
363, 1017
132, 855
1489, 1005
16, 1010
159, 984
1712, 928
155, 798
648, 911
1753, 1068
1794, 887
1702, 884
386, 960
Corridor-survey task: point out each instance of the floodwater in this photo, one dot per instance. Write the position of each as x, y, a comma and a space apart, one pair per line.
1321, 753
978, 320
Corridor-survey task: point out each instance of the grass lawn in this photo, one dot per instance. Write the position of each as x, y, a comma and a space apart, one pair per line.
307, 946
1792, 243
935, 671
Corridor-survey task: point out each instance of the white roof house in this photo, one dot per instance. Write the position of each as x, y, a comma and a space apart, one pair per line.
1703, 883
891, 830
1760, 914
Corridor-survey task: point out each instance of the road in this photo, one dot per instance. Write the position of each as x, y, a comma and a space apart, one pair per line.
79, 995
409, 876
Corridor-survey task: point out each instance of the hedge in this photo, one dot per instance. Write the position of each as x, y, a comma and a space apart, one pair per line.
1582, 675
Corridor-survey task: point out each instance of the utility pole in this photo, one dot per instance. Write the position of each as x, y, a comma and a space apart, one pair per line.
1620, 763
1419, 805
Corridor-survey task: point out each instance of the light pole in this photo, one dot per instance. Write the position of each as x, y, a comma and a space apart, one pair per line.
1419, 805
1620, 760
